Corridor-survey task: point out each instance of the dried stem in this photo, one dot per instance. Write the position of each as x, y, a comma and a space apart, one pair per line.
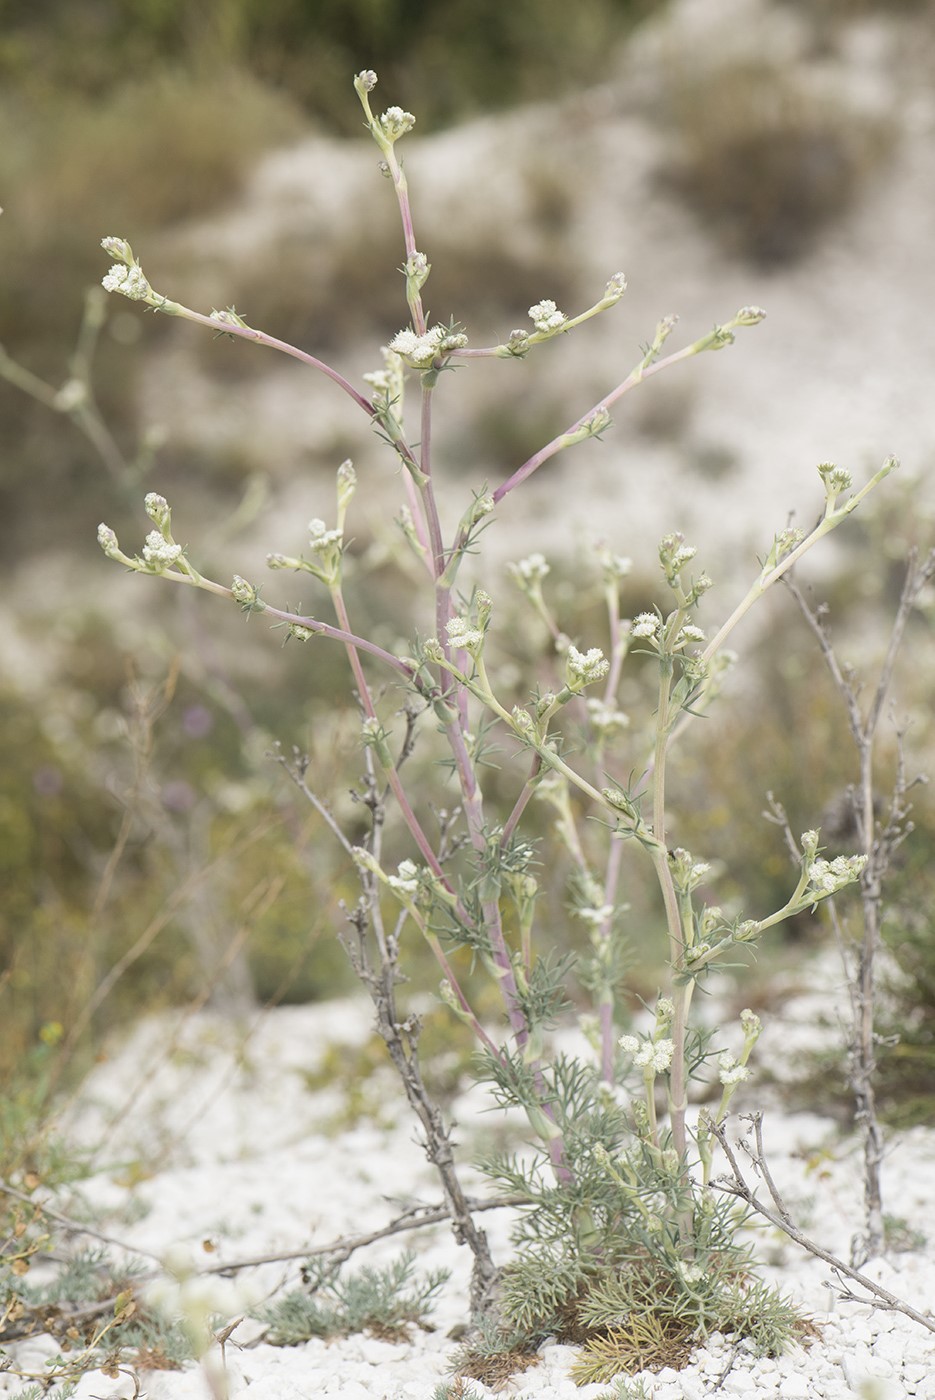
879, 841
777, 1214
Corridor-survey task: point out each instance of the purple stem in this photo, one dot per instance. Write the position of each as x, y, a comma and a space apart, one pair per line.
635, 377
261, 338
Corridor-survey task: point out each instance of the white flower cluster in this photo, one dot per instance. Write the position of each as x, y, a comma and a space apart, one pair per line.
530, 570
395, 123
650, 1055
614, 566
616, 286
729, 1071
320, 538
690, 633
595, 917
786, 541
583, 668
406, 879
675, 554
128, 281
828, 876
546, 316
421, 350
645, 624
158, 553
606, 719
835, 478
107, 538
388, 381
117, 248
156, 507
751, 1023
462, 635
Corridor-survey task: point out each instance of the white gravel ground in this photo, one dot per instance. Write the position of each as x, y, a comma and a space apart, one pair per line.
195, 1143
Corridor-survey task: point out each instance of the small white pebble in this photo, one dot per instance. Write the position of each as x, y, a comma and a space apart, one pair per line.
739, 1383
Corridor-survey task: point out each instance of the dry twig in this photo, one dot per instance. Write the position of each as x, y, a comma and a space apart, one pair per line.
778, 1214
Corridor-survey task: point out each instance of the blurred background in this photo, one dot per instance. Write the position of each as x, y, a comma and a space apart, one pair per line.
774, 152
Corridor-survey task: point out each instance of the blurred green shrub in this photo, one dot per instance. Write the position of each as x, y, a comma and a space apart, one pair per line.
464, 55
768, 162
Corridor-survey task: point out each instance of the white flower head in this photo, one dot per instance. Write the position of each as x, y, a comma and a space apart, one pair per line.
321, 539
729, 1071
156, 507
583, 668
462, 635
835, 478
406, 880
395, 123
421, 350
653, 1056
546, 316
595, 917
128, 281
107, 539
404, 342
750, 1023
606, 719
388, 381
417, 265
159, 553
645, 624
828, 876
118, 248
530, 571
614, 566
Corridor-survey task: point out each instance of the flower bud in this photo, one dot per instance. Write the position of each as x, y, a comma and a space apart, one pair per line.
107, 539
157, 508
118, 248
246, 594
347, 485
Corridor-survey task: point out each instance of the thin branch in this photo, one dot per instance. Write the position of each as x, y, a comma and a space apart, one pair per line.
73, 1225
778, 1215
414, 1218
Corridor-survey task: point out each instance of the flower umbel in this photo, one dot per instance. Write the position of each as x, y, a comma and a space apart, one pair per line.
546, 317
651, 1056
584, 668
